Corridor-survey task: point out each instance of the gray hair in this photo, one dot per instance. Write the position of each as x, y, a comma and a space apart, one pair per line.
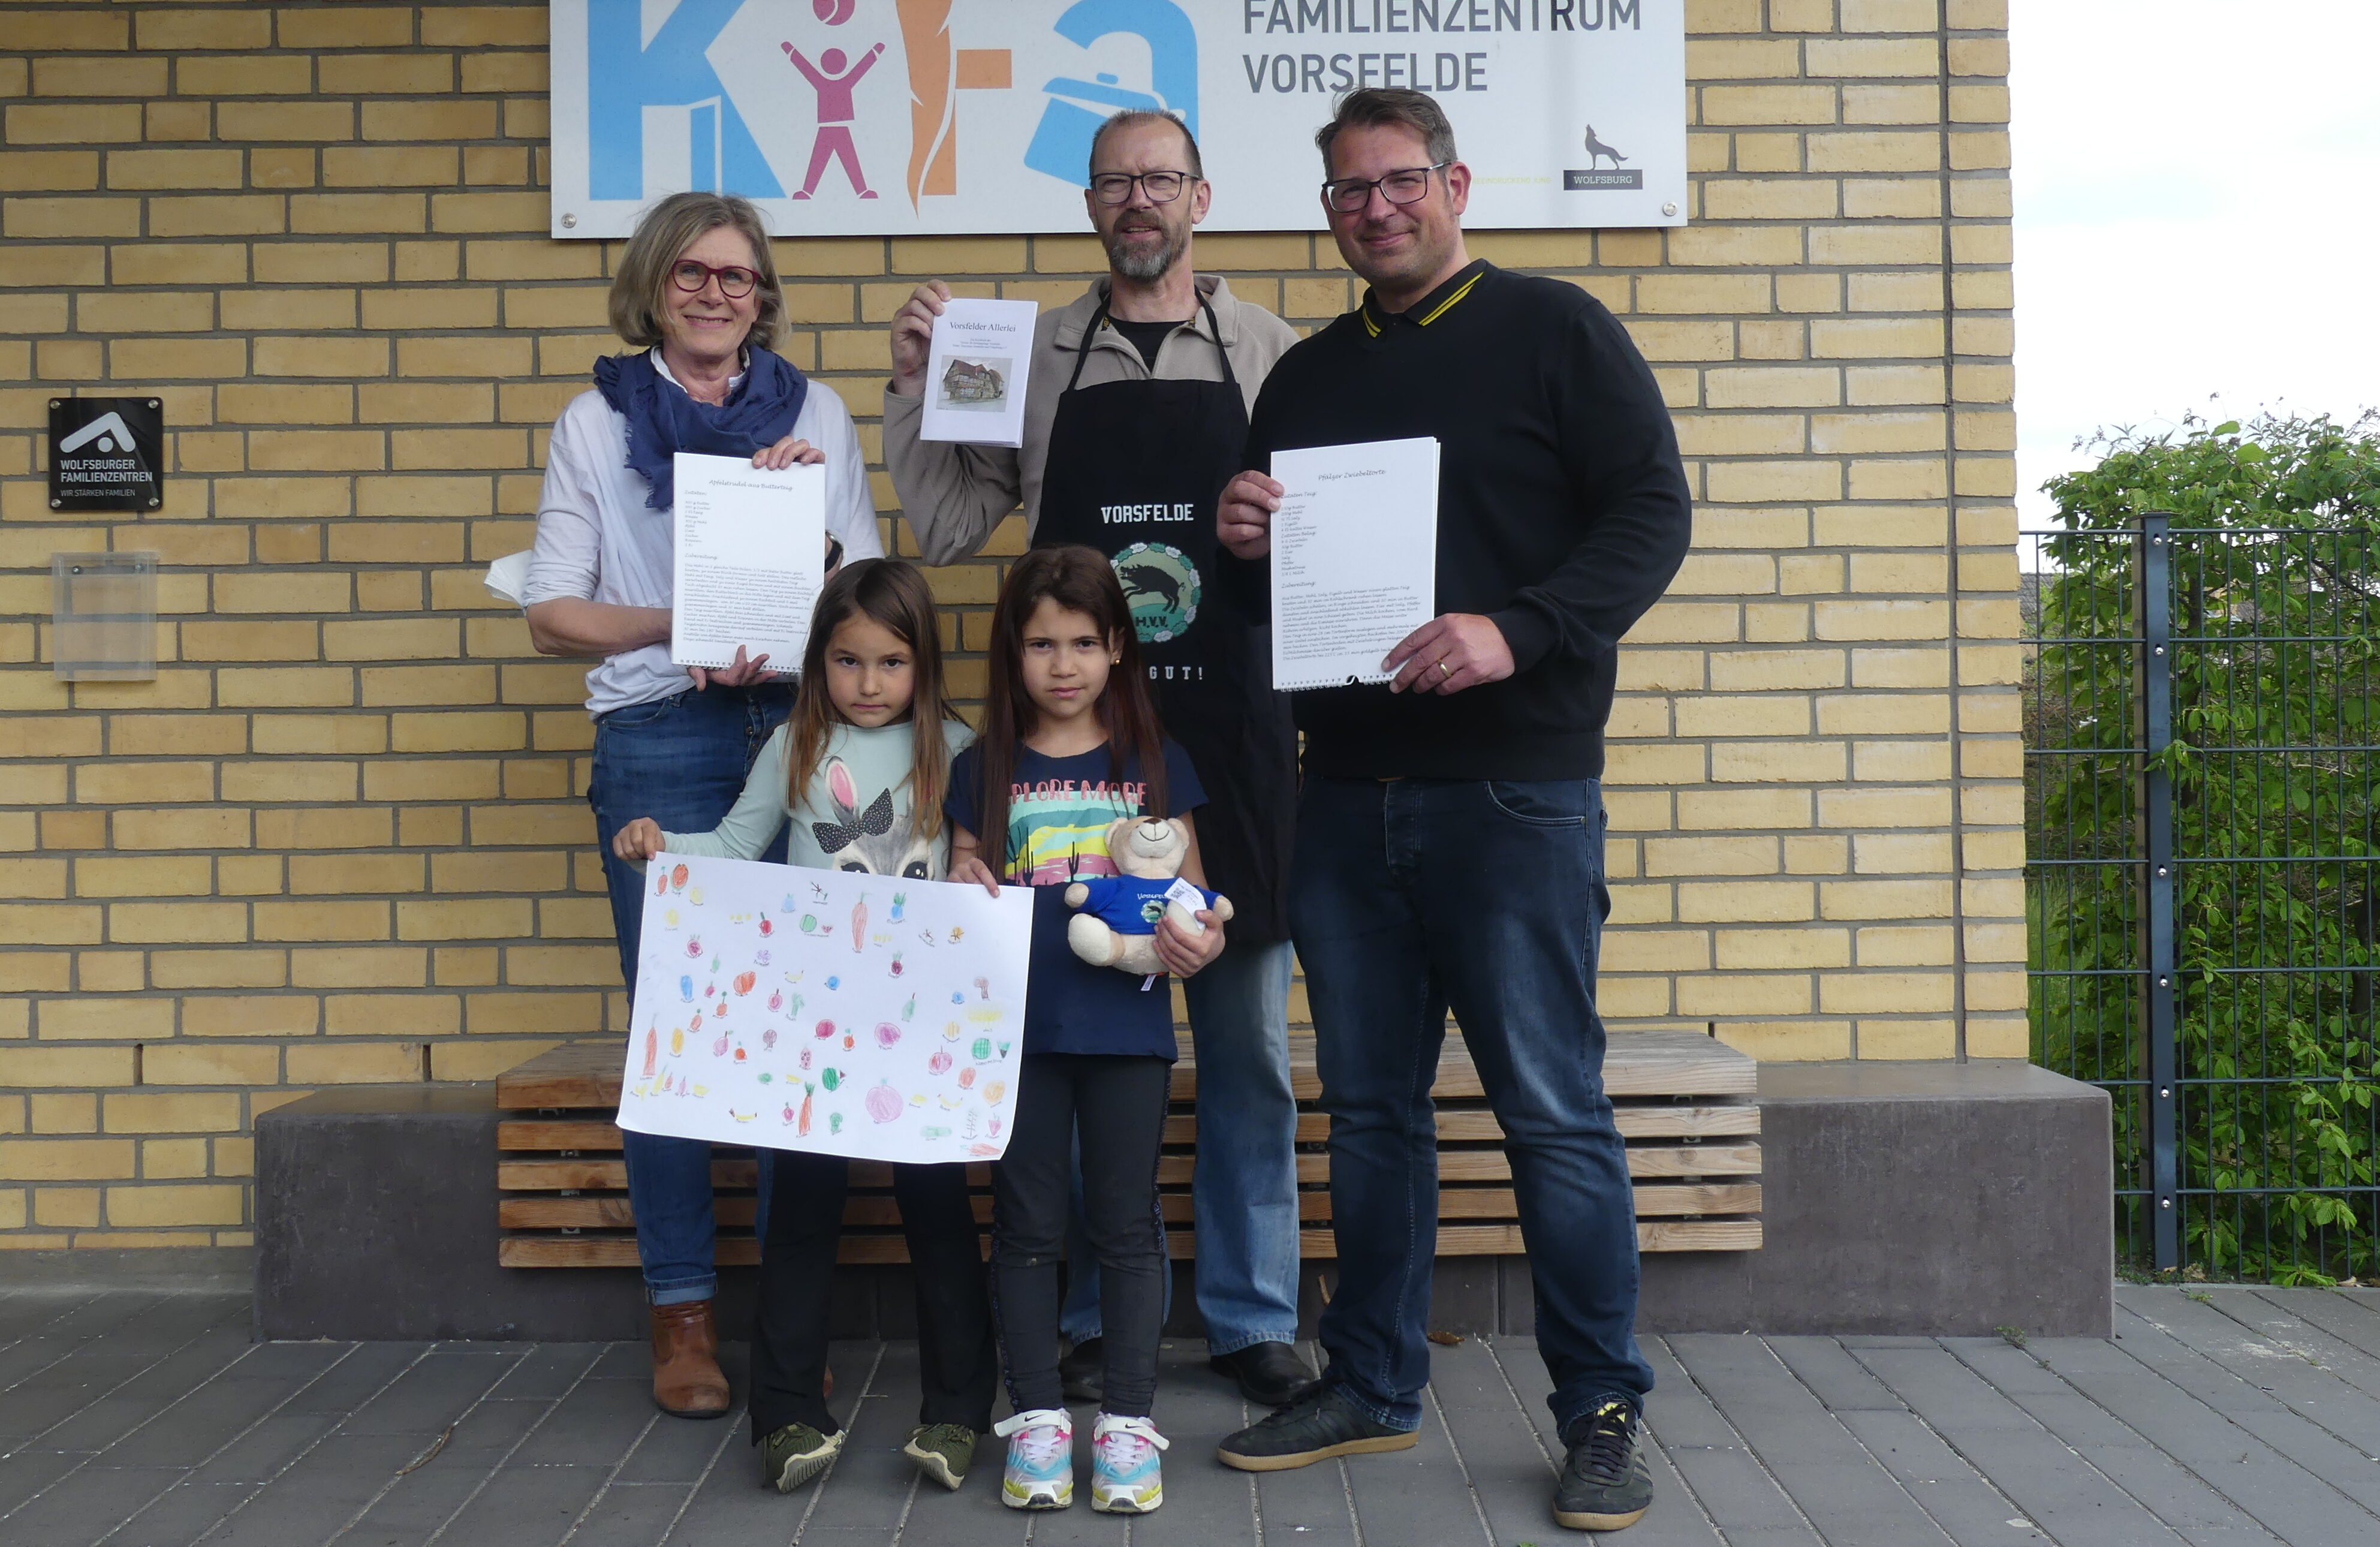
1382, 107
639, 289
1133, 117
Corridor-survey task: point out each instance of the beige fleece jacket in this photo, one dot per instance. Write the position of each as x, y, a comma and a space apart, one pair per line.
953, 495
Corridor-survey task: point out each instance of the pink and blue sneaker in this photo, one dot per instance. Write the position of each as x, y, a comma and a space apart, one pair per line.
1127, 1478
1040, 1471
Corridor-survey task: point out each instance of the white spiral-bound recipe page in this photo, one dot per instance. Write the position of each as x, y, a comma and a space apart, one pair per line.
1354, 559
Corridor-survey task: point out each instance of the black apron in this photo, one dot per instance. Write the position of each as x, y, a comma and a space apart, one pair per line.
1134, 471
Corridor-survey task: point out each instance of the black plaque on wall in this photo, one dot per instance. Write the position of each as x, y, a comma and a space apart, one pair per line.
107, 454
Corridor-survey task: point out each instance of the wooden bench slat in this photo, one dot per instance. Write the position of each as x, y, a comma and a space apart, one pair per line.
1454, 1125
583, 1074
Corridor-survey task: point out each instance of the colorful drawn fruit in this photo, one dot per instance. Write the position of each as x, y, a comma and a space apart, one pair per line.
697, 1023
776, 1000
766, 1077
958, 934
661, 883
653, 1048
949, 1104
849, 1042
910, 1008
933, 1133
795, 1008
744, 981
719, 1048
950, 1032
769, 1040
834, 983
982, 1048
917, 1099
958, 997
739, 1054
802, 1126
989, 1152
883, 1103
677, 1039
860, 922
694, 948
677, 879
992, 1127
830, 1078
694, 896
789, 1112
766, 929
761, 958
685, 988
900, 901
710, 991
896, 963
983, 986
967, 1127
985, 1015
668, 917
939, 1062
809, 923
806, 1058
967, 1077
887, 1033
993, 1091
825, 1029
834, 1122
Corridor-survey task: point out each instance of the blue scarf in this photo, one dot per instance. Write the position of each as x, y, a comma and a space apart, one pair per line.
663, 420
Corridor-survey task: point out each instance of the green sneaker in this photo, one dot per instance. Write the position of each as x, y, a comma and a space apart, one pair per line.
796, 1454
941, 1451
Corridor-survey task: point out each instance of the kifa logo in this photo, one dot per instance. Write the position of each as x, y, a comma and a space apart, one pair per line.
1591, 179
107, 435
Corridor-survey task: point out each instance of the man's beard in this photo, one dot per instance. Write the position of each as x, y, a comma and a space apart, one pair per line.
1146, 263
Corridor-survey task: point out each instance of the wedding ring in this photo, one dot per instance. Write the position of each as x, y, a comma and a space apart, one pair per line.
1444, 670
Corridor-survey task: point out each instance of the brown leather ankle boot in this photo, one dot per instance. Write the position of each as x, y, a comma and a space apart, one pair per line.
687, 1382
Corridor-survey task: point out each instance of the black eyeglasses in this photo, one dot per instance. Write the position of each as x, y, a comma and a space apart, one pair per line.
734, 281
1348, 195
1162, 187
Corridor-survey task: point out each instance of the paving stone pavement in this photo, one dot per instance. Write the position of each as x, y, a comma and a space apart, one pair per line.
2221, 1417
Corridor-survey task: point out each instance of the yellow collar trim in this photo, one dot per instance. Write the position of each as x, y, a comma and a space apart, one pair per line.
1432, 315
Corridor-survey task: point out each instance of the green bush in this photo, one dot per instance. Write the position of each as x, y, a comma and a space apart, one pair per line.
2274, 613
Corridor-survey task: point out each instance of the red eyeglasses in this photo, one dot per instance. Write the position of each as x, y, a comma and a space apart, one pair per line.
734, 281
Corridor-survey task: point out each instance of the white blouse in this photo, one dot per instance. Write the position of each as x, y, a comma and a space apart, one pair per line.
598, 540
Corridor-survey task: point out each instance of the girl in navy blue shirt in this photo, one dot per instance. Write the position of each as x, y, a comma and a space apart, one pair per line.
1071, 743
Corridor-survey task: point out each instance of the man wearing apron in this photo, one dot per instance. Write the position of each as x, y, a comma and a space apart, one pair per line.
1136, 416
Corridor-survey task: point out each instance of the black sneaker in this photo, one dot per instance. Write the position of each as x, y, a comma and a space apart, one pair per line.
1083, 1371
1606, 1485
1320, 1424
1268, 1374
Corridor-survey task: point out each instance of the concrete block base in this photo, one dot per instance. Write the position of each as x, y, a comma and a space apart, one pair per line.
1921, 1199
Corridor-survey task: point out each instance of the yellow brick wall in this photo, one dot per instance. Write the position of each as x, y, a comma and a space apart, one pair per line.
341, 836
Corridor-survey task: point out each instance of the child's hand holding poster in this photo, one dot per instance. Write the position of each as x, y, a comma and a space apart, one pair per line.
831, 1011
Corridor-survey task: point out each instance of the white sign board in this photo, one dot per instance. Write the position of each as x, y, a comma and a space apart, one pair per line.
830, 1011
892, 117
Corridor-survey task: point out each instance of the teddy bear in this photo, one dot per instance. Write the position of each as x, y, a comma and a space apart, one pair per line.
1117, 922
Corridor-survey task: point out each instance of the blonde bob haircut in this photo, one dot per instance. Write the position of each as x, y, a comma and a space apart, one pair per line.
639, 291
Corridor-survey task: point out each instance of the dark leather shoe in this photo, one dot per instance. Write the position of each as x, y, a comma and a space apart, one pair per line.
687, 1382
1083, 1371
1268, 1374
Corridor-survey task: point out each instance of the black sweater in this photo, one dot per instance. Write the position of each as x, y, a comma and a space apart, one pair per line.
1563, 513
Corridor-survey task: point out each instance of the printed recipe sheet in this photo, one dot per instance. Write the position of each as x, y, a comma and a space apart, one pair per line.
750, 557
1355, 559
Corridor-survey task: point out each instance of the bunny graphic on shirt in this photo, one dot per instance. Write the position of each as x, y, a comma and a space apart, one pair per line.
870, 839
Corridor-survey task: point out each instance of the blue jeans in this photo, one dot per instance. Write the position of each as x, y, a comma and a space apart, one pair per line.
680, 760
1409, 897
1243, 1194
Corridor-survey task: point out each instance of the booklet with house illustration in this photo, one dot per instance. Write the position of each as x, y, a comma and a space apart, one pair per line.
976, 369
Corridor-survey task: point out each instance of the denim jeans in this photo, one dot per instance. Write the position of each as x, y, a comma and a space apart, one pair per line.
1243, 1194
1409, 897
680, 760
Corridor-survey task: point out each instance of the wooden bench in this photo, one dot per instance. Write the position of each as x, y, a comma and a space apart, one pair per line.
1685, 1105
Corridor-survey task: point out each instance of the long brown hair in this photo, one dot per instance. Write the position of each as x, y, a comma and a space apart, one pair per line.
1080, 580
891, 592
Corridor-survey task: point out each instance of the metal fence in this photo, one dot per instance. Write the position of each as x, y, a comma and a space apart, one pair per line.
2200, 882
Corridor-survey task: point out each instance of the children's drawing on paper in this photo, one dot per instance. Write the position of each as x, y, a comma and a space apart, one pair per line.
758, 1021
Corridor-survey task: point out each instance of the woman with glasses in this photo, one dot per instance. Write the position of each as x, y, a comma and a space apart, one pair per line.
697, 296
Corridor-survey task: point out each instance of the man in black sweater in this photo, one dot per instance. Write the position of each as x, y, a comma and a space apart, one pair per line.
1449, 844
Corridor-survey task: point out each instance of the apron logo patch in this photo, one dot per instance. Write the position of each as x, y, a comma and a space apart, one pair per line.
1162, 587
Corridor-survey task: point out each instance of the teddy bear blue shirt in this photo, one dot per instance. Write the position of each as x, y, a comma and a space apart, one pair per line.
1058, 810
